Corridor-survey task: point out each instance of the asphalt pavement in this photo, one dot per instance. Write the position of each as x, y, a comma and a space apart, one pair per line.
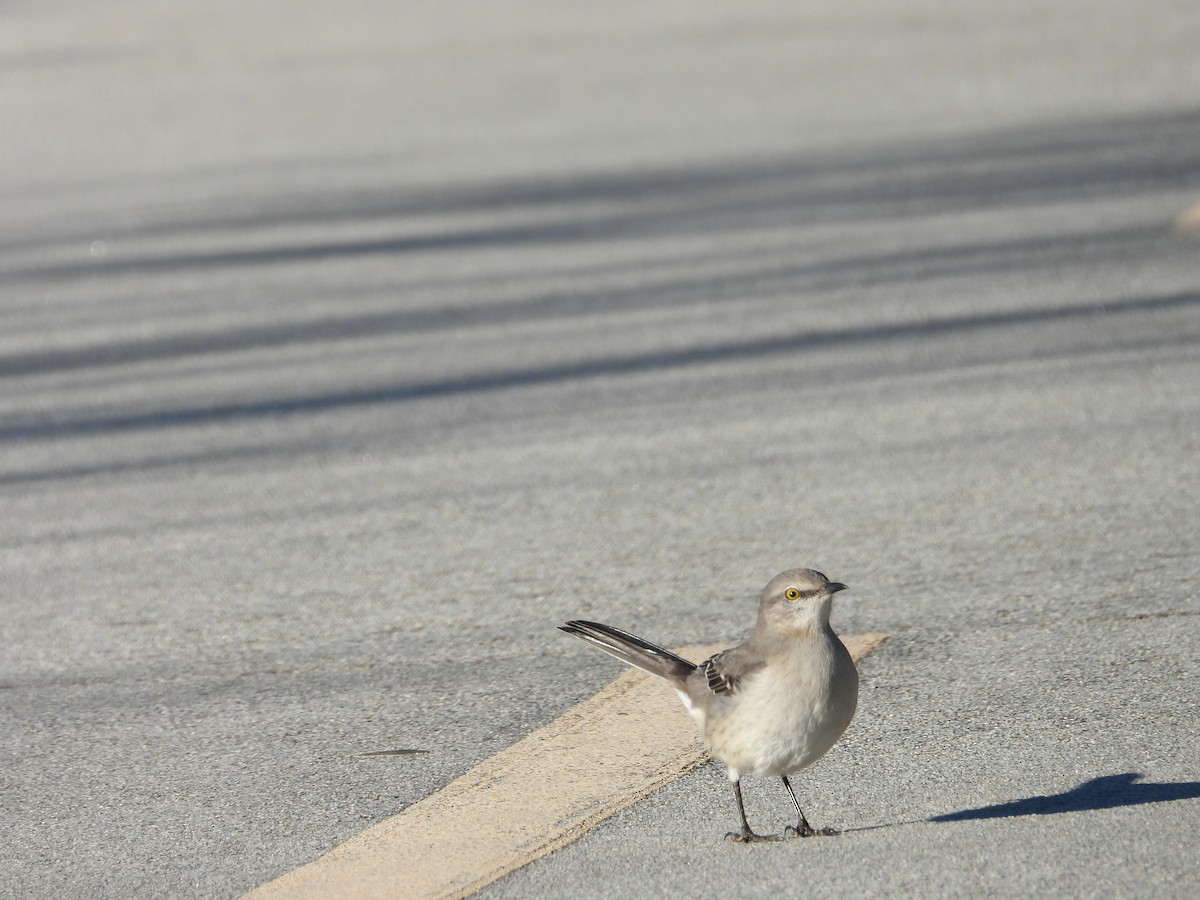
347, 350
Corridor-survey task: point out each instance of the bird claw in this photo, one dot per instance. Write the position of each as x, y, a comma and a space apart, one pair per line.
805, 830
749, 837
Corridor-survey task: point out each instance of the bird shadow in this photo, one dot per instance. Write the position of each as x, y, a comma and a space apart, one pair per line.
1106, 792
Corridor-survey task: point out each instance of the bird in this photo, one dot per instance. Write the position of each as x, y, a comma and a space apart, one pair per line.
769, 706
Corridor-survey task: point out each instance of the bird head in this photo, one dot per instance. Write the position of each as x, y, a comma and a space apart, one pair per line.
798, 599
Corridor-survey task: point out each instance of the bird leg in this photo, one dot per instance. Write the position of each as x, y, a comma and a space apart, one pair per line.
745, 836
802, 828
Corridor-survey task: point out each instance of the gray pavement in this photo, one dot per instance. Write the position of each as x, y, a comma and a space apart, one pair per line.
346, 346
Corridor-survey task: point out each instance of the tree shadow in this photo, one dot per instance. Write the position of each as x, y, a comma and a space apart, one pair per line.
1106, 792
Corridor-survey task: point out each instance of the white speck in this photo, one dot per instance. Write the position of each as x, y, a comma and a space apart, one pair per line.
99, 249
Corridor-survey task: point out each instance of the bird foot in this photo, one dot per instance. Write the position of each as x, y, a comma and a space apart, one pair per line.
749, 837
804, 830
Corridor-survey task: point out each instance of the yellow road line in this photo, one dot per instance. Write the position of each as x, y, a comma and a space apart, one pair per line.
1189, 219
542, 793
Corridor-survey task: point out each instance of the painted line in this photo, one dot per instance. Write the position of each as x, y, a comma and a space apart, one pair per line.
542, 793
1189, 219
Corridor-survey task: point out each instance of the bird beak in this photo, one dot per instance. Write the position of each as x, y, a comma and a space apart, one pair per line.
834, 586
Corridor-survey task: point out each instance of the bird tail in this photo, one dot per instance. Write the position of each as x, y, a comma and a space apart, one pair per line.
629, 648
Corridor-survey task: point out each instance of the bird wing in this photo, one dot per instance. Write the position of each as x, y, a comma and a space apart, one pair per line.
724, 672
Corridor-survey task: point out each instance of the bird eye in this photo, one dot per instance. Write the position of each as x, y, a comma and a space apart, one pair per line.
792, 594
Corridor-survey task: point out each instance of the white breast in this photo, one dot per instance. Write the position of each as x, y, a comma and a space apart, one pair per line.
784, 717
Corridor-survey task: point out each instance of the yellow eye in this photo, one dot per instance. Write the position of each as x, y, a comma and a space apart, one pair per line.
792, 594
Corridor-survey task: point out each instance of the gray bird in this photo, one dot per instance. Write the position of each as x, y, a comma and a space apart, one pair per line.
773, 704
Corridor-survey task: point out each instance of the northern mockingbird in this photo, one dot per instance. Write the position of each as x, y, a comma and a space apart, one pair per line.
769, 706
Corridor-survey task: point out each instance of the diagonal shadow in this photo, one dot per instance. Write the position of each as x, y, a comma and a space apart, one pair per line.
1131, 154
858, 269
520, 377
1106, 792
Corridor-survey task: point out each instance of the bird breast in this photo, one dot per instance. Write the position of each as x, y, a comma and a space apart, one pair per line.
785, 716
